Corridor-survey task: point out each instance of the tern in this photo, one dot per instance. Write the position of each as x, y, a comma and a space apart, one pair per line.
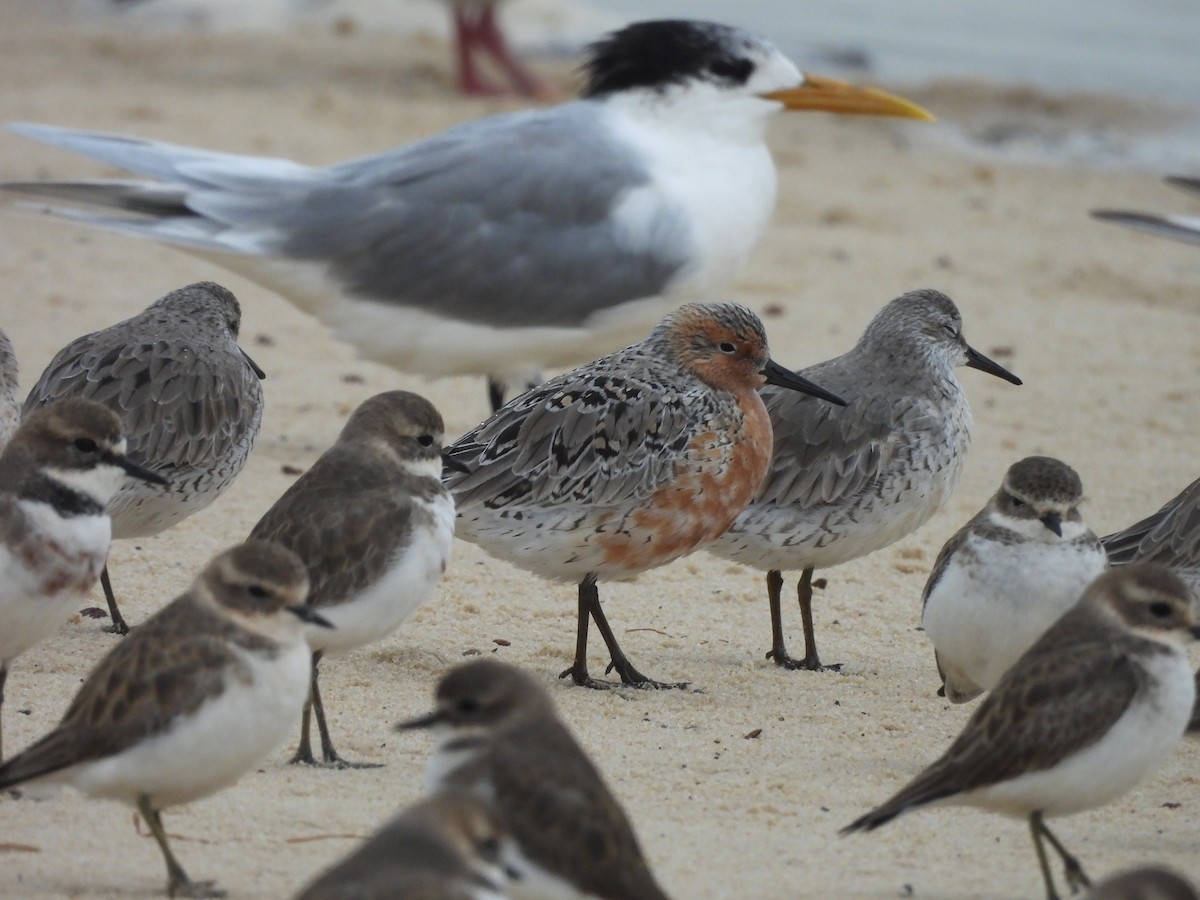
539, 238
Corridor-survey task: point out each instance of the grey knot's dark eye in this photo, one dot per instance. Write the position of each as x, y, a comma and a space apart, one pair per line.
726, 347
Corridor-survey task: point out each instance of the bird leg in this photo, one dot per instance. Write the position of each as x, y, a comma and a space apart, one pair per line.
1076, 877
1047, 878
178, 884
589, 605
118, 625
579, 670
468, 36
314, 706
496, 390
3, 678
778, 651
492, 39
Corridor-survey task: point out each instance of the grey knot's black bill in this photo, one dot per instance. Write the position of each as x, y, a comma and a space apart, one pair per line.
976, 360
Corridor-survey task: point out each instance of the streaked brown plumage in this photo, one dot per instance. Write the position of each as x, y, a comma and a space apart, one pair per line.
192, 699
374, 526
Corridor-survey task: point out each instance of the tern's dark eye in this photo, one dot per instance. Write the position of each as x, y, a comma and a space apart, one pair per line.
726, 347
85, 445
732, 69
467, 705
425, 440
1160, 610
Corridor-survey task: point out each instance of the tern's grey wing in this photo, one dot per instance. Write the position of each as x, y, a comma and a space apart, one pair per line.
176, 424
824, 453
1170, 536
346, 518
527, 209
166, 668
587, 437
523, 210
555, 803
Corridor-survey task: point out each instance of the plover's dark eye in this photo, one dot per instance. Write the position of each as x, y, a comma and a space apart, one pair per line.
1016, 502
425, 440
467, 705
257, 590
85, 445
726, 347
1160, 610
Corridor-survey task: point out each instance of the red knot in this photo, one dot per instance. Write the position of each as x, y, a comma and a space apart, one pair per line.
627, 463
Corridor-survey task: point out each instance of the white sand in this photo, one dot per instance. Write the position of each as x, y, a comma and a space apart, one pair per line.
1102, 325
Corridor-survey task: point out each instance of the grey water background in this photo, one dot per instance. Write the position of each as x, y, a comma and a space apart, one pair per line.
1147, 50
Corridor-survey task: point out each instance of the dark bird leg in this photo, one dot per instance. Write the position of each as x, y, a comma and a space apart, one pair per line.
1076, 877
178, 884
496, 390
315, 707
589, 604
1047, 878
303, 754
118, 625
778, 651
579, 669
3, 678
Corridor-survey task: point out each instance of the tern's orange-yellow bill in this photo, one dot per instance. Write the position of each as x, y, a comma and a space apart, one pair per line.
832, 95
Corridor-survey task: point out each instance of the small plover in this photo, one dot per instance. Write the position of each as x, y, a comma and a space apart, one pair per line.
192, 699
501, 740
1096, 704
374, 527
58, 472
1008, 574
845, 482
449, 847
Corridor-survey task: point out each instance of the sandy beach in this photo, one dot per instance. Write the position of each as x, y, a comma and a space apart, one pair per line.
1101, 324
